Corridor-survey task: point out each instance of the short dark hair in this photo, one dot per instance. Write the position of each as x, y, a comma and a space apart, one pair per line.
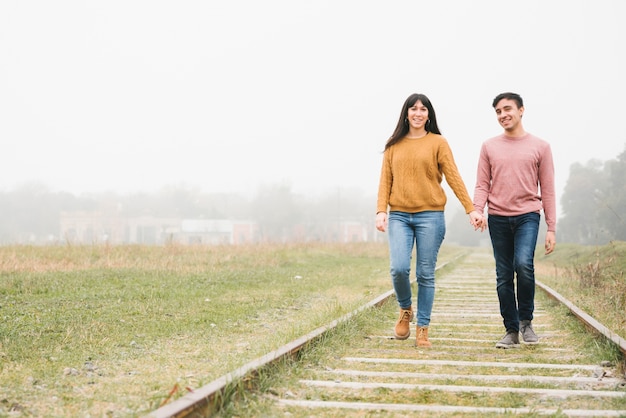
511, 96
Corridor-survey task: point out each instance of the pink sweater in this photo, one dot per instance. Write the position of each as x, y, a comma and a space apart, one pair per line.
516, 176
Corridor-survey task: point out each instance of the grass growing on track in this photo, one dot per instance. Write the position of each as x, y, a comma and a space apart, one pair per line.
282, 381
100, 330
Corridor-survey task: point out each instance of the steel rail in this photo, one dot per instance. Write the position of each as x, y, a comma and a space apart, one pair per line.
206, 400
585, 318
203, 401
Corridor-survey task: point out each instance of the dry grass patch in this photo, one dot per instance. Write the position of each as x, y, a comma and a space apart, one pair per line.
591, 277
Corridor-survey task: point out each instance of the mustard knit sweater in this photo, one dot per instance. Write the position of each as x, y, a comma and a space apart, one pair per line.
411, 174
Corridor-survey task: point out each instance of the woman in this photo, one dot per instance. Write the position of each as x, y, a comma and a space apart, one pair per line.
415, 159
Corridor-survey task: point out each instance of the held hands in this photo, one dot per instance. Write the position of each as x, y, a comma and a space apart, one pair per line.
381, 221
478, 221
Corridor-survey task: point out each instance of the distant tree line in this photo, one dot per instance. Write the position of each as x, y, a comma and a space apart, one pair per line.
593, 205
31, 213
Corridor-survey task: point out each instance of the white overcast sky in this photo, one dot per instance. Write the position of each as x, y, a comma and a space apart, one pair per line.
134, 95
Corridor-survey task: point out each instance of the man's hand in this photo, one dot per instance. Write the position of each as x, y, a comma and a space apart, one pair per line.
550, 242
478, 221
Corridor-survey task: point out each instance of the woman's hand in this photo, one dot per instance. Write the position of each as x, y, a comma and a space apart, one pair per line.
478, 221
381, 221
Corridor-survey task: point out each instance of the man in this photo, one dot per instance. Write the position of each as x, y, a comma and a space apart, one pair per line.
515, 179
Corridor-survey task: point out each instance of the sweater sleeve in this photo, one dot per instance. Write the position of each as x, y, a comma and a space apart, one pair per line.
384, 186
453, 178
546, 184
483, 181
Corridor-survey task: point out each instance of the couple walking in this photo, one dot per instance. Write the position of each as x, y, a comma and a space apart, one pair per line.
515, 180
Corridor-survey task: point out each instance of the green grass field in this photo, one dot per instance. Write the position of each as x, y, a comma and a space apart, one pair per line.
113, 331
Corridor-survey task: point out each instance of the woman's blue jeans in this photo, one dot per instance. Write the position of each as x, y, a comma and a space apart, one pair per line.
514, 239
426, 231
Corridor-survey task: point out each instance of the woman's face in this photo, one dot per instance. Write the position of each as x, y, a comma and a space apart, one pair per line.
417, 115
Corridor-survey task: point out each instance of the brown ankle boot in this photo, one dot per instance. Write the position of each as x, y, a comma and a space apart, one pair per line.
403, 326
422, 337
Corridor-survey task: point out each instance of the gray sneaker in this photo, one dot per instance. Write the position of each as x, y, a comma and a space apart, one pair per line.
510, 340
528, 334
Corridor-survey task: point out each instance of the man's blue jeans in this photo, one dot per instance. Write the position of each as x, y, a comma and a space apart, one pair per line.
426, 231
514, 239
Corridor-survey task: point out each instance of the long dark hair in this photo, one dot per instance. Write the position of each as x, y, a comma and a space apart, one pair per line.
402, 128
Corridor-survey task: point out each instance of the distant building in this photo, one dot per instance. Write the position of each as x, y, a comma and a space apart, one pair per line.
217, 231
97, 228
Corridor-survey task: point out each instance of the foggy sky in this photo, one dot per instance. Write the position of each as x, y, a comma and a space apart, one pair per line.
231, 96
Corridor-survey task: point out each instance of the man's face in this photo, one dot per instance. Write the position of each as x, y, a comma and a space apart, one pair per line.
508, 114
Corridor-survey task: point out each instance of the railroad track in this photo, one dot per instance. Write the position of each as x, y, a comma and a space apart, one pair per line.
462, 375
